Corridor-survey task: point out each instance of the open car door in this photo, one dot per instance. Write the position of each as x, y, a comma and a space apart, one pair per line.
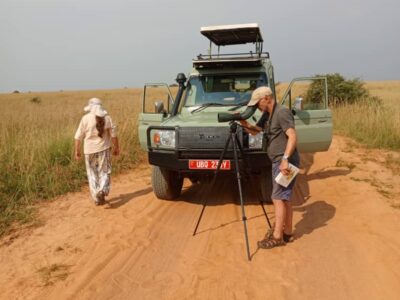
156, 105
313, 118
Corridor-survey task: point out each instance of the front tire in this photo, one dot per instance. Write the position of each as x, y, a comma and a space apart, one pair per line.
167, 184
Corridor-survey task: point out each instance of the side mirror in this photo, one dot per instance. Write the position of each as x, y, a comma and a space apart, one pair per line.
159, 108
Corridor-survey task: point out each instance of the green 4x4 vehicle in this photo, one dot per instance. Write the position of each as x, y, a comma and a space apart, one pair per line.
182, 134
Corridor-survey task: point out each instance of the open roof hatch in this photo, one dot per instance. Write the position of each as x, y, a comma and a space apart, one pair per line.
236, 34
233, 34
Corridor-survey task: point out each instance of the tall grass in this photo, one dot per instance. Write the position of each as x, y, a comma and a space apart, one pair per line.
375, 125
36, 152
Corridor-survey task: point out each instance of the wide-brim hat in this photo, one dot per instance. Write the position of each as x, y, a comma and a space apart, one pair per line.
95, 107
258, 94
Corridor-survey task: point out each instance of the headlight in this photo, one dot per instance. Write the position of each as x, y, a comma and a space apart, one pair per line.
164, 138
255, 141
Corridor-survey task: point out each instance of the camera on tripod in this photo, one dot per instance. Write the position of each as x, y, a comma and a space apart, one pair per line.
237, 149
227, 117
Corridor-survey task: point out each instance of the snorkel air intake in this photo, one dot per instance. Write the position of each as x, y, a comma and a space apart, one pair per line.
180, 79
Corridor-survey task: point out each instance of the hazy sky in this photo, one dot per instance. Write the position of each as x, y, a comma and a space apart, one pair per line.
50, 45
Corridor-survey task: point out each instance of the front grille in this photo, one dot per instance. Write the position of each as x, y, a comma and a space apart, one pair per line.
205, 137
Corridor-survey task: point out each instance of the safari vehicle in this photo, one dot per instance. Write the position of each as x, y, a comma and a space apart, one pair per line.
182, 134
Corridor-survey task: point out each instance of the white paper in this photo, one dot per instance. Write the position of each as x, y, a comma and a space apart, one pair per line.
284, 180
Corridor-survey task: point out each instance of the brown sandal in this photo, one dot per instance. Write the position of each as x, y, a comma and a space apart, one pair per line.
269, 234
288, 238
100, 198
270, 243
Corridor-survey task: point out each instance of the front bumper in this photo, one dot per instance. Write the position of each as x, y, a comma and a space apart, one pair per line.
191, 148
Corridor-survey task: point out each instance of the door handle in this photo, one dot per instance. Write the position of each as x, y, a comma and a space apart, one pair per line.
322, 121
145, 123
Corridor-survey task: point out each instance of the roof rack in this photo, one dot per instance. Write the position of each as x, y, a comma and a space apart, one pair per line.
229, 60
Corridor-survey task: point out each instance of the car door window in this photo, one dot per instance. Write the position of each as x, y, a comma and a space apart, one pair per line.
156, 93
307, 99
306, 94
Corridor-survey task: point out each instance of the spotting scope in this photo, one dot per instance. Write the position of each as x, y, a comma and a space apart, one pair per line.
227, 117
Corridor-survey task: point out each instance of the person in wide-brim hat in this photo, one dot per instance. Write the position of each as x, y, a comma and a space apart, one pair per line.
99, 134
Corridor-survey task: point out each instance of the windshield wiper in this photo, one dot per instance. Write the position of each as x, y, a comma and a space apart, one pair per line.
205, 105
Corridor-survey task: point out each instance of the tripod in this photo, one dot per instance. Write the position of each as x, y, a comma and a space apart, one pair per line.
233, 137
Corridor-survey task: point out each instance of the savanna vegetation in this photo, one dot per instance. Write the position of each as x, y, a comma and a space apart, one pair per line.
36, 153
374, 120
37, 129
368, 112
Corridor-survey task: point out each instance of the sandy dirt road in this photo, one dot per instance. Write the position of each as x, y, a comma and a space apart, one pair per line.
138, 247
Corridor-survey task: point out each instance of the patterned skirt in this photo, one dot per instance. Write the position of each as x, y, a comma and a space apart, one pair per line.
98, 168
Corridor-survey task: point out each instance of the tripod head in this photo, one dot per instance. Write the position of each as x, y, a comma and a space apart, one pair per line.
233, 125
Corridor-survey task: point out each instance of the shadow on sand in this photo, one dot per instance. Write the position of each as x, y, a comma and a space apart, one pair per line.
322, 174
223, 192
122, 199
315, 215
301, 192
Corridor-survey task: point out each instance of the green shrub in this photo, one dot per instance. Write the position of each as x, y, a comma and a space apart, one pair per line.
340, 90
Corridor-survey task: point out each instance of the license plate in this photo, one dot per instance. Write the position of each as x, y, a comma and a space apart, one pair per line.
201, 164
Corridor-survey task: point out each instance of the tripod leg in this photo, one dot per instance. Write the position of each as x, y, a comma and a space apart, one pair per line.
256, 189
244, 219
265, 213
201, 215
213, 182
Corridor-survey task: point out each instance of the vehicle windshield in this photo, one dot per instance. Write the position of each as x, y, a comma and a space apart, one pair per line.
222, 89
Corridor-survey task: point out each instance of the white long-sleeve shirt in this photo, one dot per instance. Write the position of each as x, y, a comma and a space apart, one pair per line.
87, 131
